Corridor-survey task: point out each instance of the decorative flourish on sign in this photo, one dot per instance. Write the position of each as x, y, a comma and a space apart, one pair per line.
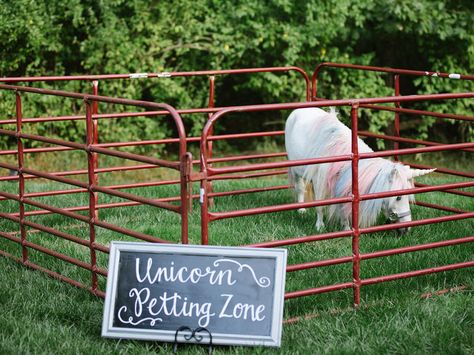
130, 319
262, 281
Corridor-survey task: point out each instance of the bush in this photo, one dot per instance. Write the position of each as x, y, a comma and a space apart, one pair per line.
88, 37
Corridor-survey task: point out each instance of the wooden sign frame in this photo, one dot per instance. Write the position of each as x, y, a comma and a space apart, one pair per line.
244, 256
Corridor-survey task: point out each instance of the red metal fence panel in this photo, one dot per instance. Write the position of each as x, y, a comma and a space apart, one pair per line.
208, 172
91, 186
237, 168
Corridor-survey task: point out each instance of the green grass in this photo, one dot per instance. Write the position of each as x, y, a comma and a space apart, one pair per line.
42, 315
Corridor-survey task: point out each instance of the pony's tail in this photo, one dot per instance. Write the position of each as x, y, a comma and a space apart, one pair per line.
309, 192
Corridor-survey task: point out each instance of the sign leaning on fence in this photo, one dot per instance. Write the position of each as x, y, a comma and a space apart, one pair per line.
234, 293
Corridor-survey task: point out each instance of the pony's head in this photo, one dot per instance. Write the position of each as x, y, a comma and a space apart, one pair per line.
375, 176
397, 208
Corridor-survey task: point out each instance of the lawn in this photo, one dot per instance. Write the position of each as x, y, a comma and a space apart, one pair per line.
42, 315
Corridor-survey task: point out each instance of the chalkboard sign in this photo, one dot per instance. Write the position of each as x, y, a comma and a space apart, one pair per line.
235, 293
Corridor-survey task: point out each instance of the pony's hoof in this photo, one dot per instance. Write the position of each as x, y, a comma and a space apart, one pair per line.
302, 210
319, 225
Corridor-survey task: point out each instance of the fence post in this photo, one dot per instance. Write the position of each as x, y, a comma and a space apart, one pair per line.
396, 83
355, 206
95, 139
92, 195
186, 199
212, 80
21, 178
204, 201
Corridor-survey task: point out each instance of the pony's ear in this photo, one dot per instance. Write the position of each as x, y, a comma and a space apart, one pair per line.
419, 172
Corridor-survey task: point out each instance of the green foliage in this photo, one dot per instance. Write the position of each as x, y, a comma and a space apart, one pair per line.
56, 37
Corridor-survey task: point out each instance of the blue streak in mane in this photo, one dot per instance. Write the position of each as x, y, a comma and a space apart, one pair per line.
375, 175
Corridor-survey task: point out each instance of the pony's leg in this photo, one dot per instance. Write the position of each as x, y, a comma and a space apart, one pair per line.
319, 219
347, 223
300, 187
319, 213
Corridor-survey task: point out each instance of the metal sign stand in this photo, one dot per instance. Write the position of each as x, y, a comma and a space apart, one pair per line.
194, 335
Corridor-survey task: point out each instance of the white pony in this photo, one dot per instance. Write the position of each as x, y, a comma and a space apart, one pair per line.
314, 133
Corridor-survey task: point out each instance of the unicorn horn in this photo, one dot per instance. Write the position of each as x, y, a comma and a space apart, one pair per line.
420, 172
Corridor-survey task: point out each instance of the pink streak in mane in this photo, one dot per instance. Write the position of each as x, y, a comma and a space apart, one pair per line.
366, 177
